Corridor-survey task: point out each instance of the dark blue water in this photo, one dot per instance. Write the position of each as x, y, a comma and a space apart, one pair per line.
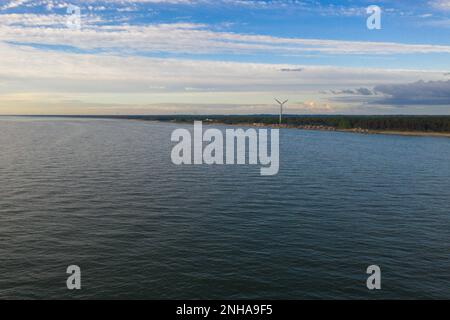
104, 195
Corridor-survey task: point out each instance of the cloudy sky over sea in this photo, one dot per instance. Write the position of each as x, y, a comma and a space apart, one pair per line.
223, 56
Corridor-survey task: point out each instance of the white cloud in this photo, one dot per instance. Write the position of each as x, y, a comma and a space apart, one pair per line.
13, 4
182, 38
32, 79
441, 4
103, 70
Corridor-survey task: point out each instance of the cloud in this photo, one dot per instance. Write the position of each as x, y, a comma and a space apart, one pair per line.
359, 91
13, 4
312, 106
67, 71
291, 70
420, 93
49, 77
441, 4
417, 93
181, 38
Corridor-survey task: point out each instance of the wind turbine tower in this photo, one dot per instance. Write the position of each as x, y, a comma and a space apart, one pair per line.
281, 108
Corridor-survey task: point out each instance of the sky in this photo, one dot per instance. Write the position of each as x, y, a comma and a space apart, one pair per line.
224, 57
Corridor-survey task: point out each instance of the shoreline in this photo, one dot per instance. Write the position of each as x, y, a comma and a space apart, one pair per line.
413, 133
332, 129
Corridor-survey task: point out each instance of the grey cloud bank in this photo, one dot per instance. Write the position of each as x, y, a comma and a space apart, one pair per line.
417, 93
425, 93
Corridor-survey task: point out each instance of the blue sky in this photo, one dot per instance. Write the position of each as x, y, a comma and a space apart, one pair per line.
223, 56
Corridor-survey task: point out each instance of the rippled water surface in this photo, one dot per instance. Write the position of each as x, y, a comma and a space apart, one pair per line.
104, 195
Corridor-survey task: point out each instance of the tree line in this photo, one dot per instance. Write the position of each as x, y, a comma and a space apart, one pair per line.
394, 123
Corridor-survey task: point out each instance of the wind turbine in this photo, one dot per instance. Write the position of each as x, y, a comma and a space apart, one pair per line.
281, 107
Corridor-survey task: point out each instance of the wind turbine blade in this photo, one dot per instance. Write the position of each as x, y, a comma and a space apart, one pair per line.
278, 101
285, 101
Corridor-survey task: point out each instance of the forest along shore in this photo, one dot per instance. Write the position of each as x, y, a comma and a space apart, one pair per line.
325, 128
353, 130
428, 126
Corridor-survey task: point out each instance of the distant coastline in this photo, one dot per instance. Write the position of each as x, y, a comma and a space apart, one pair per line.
420, 126
355, 130
404, 125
